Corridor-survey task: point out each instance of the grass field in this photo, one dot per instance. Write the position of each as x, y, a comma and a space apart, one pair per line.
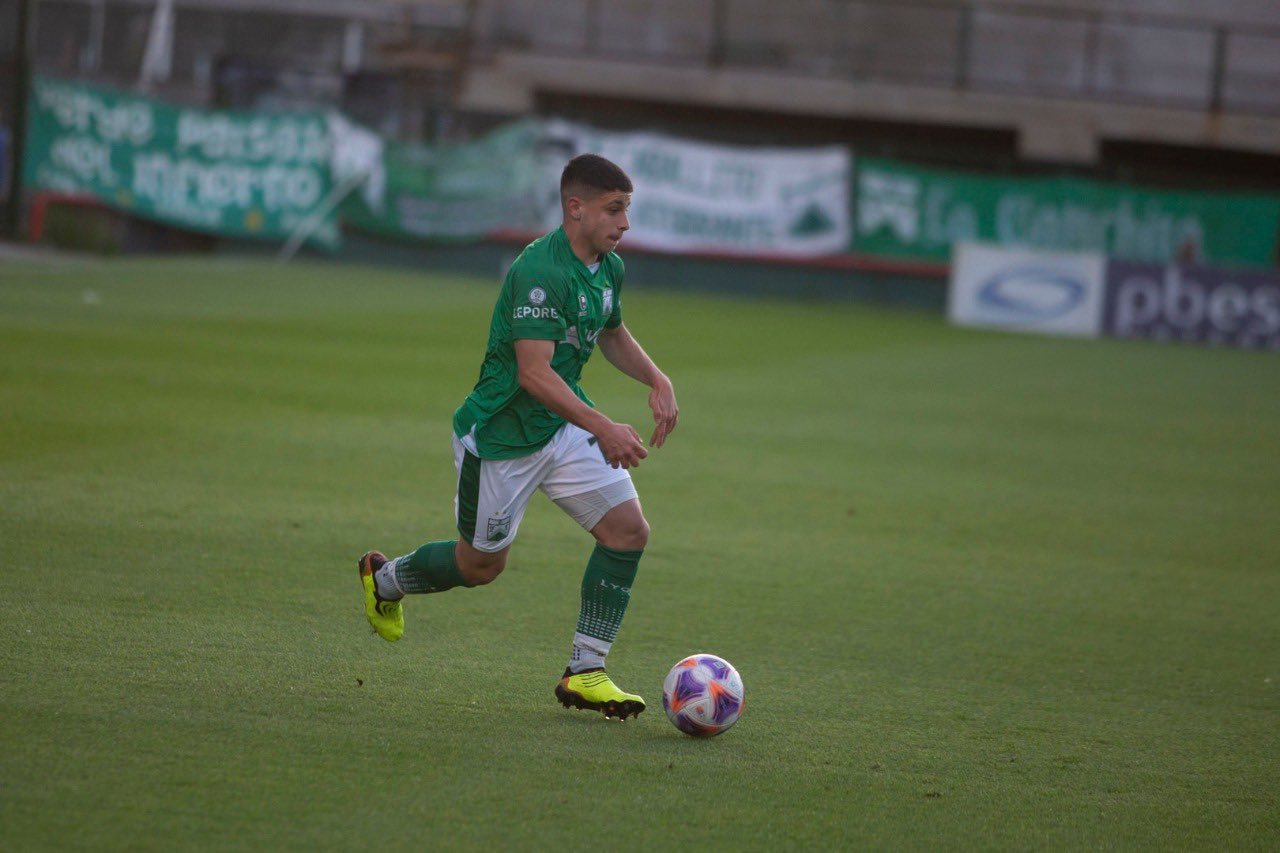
985, 591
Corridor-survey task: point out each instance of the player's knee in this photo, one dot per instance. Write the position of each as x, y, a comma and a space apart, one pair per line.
479, 568
641, 534
480, 577
633, 535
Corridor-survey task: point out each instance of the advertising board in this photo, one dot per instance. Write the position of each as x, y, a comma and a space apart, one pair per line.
1025, 290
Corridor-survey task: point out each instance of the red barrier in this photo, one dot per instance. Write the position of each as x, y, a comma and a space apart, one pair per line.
40, 203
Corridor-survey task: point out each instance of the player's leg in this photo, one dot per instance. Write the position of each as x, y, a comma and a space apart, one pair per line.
490, 502
439, 566
479, 567
623, 527
603, 500
621, 535
433, 567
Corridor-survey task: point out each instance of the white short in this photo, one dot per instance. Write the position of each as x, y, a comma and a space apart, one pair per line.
493, 493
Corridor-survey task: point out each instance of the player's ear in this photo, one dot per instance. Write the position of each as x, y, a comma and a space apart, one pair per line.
573, 207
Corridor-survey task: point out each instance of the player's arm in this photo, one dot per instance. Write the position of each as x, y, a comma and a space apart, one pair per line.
620, 444
625, 353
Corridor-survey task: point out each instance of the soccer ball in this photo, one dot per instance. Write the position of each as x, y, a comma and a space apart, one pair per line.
703, 695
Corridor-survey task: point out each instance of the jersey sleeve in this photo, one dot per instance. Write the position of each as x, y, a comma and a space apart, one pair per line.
537, 305
614, 320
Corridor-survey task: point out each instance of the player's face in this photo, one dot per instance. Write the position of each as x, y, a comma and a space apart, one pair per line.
604, 220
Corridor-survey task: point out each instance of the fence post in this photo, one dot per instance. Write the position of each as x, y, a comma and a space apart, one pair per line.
591, 29
1219, 71
18, 141
1092, 34
963, 38
718, 15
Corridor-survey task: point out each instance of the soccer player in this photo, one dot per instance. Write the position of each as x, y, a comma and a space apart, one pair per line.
528, 425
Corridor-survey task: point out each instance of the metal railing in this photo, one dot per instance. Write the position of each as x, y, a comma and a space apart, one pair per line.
985, 47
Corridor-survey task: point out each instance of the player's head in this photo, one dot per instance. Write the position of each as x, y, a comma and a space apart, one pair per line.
595, 195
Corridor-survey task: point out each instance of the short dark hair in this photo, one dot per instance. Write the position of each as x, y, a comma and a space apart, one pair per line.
591, 174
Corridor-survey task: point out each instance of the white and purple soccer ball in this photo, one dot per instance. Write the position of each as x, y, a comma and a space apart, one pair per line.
703, 695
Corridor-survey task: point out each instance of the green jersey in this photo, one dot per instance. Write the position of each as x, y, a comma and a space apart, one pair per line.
548, 295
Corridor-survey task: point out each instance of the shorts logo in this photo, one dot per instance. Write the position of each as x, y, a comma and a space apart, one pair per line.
498, 528
608, 300
537, 296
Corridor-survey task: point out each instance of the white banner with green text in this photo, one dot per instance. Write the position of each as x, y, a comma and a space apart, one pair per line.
703, 197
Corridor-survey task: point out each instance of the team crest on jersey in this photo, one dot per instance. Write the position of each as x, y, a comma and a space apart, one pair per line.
582, 304
499, 527
537, 296
608, 300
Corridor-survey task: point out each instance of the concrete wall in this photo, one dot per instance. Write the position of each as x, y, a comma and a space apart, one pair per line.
1218, 12
1065, 76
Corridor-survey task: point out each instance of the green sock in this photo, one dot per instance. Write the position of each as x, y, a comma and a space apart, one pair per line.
431, 568
606, 591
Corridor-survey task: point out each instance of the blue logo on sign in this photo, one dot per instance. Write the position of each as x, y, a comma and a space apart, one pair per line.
1031, 293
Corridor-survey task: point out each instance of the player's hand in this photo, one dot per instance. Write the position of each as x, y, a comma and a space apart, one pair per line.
662, 399
621, 445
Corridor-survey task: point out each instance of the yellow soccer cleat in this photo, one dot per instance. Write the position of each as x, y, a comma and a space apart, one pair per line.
386, 617
595, 691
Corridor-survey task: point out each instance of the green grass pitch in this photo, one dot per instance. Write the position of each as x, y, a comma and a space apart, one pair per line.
984, 590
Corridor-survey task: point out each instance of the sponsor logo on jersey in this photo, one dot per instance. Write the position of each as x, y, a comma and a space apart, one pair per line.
573, 337
545, 312
537, 296
608, 300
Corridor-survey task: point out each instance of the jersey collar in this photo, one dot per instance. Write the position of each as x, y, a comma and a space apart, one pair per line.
562, 242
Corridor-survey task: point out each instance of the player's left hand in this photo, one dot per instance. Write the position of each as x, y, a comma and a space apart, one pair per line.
662, 399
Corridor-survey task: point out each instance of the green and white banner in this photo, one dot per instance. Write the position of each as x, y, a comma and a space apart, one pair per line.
918, 213
457, 191
697, 196
273, 176
231, 173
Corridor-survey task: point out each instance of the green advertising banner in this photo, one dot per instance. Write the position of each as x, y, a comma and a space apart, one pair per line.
916, 213
452, 191
229, 173
276, 176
